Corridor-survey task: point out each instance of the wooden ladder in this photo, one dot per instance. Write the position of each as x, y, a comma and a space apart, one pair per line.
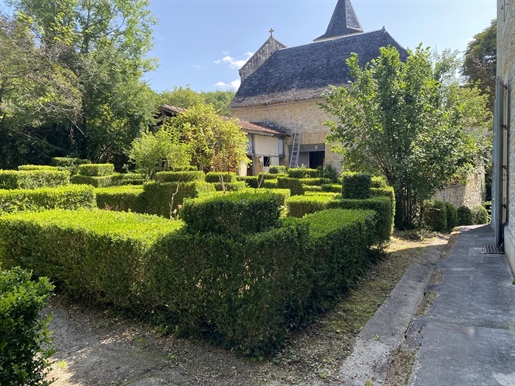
295, 149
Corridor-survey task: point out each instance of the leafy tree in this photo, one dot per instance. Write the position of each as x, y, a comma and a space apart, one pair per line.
154, 152
106, 46
35, 91
186, 97
403, 120
217, 143
480, 62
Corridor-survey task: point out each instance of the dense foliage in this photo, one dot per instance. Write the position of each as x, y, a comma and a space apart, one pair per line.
404, 120
25, 340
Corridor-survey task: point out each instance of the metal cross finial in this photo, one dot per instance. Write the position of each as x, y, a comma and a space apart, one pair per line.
271, 32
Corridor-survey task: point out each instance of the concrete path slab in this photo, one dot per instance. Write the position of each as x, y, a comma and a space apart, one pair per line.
467, 336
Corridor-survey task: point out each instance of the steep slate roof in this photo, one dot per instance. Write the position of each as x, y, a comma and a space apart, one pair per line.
305, 72
343, 22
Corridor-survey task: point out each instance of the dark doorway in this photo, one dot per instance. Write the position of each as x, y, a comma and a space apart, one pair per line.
316, 159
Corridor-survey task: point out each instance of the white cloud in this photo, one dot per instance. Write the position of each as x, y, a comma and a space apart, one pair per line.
233, 62
234, 85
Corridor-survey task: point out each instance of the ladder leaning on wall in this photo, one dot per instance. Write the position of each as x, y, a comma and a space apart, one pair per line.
295, 149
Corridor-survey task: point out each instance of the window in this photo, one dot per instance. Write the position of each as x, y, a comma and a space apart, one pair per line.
250, 144
281, 147
266, 162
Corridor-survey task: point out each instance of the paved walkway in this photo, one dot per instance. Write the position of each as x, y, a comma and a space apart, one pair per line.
454, 311
467, 336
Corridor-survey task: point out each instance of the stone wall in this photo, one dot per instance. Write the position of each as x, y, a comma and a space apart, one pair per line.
506, 71
304, 116
261, 55
470, 194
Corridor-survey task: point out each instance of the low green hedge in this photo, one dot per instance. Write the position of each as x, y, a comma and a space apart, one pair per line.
328, 194
335, 188
214, 177
387, 191
269, 184
267, 176
185, 176
120, 198
96, 181
315, 181
381, 205
65, 197
25, 340
185, 169
250, 181
69, 162
465, 216
33, 179
37, 167
303, 173
311, 188
435, 216
379, 182
277, 169
293, 184
234, 213
157, 197
96, 170
299, 206
230, 186
94, 255
131, 179
356, 185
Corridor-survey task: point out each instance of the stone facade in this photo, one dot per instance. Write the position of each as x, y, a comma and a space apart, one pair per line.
506, 74
304, 116
470, 194
261, 55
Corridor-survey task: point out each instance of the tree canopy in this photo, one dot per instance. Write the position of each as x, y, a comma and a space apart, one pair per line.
100, 47
480, 63
185, 97
406, 121
216, 143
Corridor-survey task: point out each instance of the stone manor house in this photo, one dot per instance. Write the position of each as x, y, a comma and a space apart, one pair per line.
281, 85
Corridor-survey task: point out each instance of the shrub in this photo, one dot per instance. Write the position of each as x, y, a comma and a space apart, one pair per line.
465, 216
335, 188
184, 168
132, 179
214, 177
282, 194
93, 255
303, 173
339, 242
267, 176
293, 184
185, 176
95, 181
120, 198
356, 185
385, 192
452, 216
314, 181
382, 207
480, 215
69, 164
36, 167
278, 169
329, 171
234, 213
379, 182
96, 170
311, 188
163, 198
298, 206
435, 216
270, 184
250, 181
230, 186
33, 179
25, 340
65, 197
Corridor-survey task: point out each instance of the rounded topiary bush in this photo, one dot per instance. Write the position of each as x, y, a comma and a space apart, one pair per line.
435, 216
465, 216
480, 215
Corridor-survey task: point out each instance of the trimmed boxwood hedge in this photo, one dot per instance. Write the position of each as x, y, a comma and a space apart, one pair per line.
94, 255
299, 206
121, 198
33, 179
37, 167
356, 185
270, 184
95, 181
314, 181
185, 176
230, 186
157, 197
214, 177
277, 169
334, 188
64, 197
435, 216
234, 213
303, 173
293, 184
96, 170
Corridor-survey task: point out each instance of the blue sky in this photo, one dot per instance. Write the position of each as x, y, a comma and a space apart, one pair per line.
202, 43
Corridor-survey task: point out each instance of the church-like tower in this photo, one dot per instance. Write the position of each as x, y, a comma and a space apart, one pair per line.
343, 22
